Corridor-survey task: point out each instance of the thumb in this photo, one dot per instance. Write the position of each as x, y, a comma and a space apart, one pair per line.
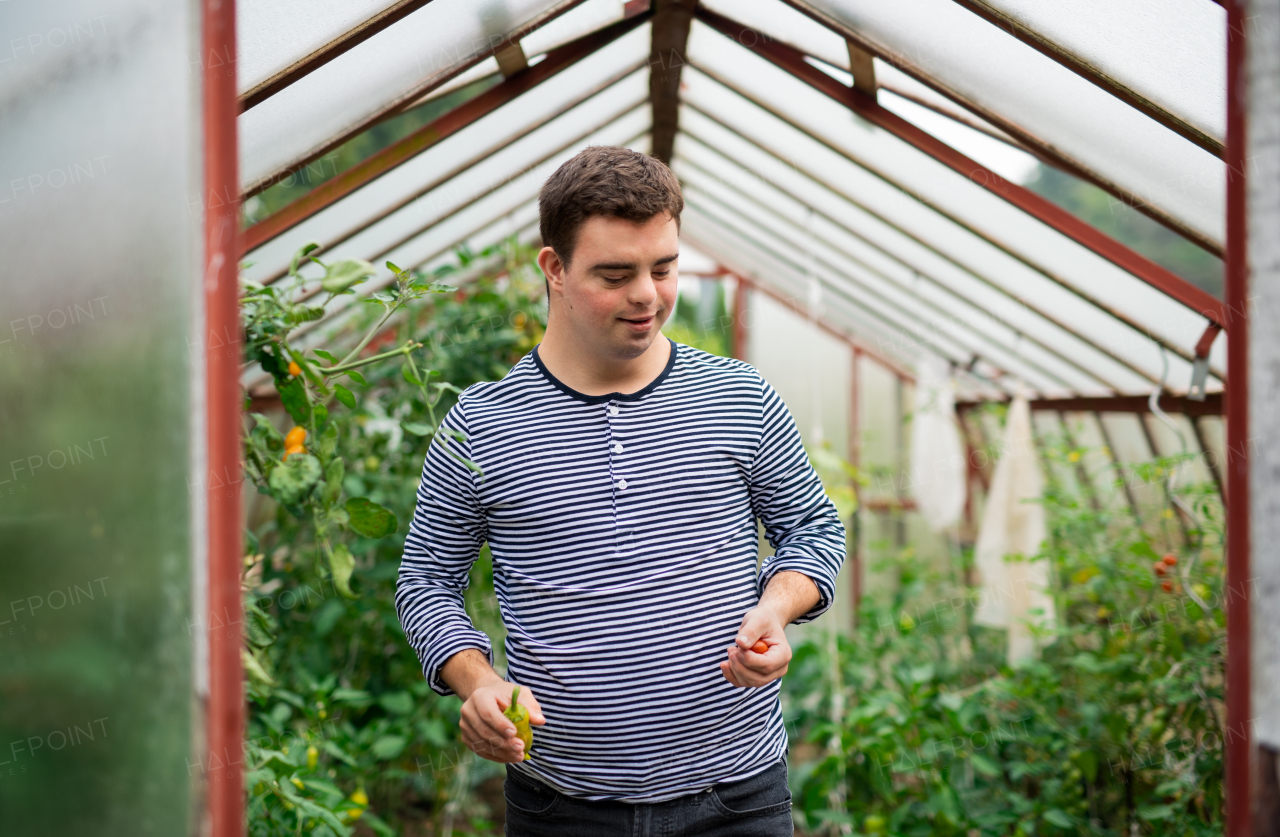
754, 626
531, 703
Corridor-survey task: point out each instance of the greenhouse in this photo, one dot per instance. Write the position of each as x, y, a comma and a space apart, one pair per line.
1008, 265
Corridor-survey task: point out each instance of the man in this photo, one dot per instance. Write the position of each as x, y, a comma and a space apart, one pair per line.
621, 478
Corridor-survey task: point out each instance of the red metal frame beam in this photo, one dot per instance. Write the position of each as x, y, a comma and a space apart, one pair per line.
428, 135
793, 61
1210, 406
226, 711
1043, 149
1236, 602
1093, 75
317, 59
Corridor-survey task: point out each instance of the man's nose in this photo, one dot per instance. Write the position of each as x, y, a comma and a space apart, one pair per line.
643, 291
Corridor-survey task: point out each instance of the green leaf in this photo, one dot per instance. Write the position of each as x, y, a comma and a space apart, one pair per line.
1058, 817
333, 480
293, 479
984, 765
343, 274
397, 703
393, 268
358, 378
341, 564
344, 395
322, 416
410, 376
417, 428
327, 616
370, 519
388, 747
294, 399
301, 254
322, 353
1155, 812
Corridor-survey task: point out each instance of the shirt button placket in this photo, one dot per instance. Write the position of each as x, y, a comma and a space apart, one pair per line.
619, 482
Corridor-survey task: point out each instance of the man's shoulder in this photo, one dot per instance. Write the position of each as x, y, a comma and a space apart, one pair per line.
718, 370
520, 380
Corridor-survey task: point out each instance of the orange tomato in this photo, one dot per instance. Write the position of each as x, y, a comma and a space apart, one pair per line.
1170, 559
1167, 585
294, 369
760, 647
295, 437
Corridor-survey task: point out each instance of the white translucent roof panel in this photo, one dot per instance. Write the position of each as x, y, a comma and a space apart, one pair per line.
745, 256
272, 35
1171, 52
780, 22
396, 65
573, 24
896, 220
479, 196
885, 160
996, 72
915, 316
897, 257
482, 139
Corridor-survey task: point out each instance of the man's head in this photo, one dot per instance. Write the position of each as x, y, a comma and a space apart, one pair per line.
610, 224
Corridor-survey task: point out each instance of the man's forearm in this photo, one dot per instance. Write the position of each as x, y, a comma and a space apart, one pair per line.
790, 595
468, 670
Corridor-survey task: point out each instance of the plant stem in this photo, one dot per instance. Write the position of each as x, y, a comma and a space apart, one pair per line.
369, 335
344, 366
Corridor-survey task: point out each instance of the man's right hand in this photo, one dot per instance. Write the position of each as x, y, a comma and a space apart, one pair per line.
485, 730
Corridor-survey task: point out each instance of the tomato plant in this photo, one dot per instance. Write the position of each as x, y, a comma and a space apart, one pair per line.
343, 730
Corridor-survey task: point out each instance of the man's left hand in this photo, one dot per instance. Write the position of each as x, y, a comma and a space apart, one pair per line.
745, 667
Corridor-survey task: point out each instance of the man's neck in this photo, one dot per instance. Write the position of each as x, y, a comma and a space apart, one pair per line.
585, 369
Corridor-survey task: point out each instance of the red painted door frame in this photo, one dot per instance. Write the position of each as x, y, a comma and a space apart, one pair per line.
1237, 599
225, 722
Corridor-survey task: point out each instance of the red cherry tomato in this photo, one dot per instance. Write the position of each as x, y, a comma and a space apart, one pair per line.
1167, 585
760, 647
1159, 567
1170, 559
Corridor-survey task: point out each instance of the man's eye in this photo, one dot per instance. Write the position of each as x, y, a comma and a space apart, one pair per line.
615, 278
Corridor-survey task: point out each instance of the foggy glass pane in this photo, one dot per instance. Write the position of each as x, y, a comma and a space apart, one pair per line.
99, 223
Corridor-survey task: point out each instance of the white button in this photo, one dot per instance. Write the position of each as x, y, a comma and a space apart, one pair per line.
613, 409
622, 485
617, 447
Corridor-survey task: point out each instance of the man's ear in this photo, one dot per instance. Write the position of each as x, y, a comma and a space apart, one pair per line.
552, 268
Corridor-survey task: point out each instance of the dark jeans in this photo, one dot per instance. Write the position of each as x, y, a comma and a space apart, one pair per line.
756, 807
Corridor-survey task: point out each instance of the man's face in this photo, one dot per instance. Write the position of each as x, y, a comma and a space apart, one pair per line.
620, 285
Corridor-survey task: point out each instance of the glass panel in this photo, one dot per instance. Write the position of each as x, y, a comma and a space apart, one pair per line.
892, 178
99, 440
271, 35
1171, 52
388, 68
477, 141
994, 70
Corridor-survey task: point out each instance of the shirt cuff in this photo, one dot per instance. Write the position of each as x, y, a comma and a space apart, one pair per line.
441, 650
826, 586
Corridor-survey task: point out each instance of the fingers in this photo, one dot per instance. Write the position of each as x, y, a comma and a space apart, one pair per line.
486, 731
749, 669
757, 625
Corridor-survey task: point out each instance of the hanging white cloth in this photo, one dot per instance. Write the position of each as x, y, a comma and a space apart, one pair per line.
938, 473
1014, 593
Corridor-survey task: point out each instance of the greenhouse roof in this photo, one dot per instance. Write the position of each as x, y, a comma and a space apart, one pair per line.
817, 144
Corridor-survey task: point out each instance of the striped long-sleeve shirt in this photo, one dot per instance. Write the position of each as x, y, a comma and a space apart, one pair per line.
624, 542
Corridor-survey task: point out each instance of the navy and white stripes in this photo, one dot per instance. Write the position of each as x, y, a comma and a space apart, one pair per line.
624, 545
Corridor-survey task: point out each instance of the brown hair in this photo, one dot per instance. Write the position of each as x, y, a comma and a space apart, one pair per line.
604, 180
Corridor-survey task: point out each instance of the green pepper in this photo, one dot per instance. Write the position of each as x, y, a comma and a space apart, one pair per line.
519, 716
